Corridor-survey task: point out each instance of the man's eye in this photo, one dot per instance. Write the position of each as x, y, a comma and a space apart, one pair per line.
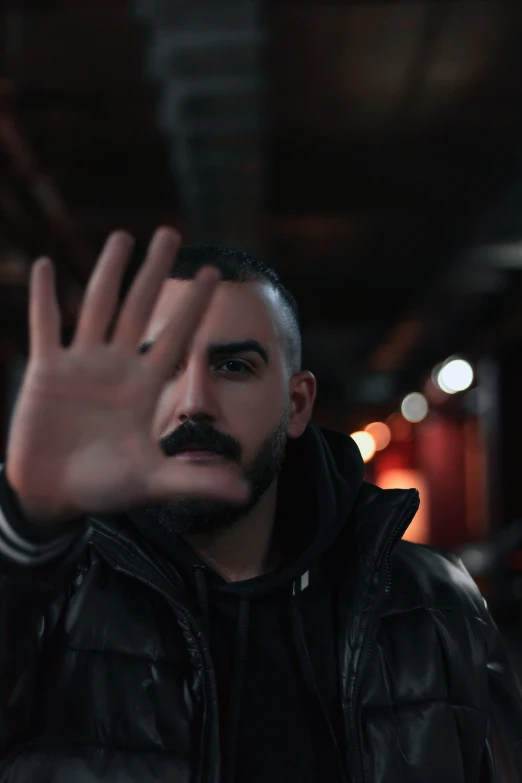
234, 367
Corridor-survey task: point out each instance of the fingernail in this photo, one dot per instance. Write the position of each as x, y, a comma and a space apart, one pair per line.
123, 237
209, 274
168, 233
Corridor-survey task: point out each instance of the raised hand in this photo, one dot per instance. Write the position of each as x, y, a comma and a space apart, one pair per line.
81, 435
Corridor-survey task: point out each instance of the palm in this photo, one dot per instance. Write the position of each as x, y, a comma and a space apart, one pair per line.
81, 438
91, 418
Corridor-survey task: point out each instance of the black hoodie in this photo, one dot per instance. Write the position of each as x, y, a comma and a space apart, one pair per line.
273, 638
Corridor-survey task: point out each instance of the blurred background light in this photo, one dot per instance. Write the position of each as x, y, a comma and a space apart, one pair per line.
455, 376
401, 430
435, 373
365, 443
439, 382
476, 559
408, 478
381, 434
414, 407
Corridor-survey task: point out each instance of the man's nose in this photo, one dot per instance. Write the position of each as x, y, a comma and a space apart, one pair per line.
195, 395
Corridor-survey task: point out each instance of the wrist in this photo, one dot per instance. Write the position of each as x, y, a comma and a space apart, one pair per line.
37, 523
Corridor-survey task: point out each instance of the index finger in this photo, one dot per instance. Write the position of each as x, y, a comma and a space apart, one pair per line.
174, 339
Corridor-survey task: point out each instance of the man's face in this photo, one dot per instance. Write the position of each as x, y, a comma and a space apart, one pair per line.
228, 400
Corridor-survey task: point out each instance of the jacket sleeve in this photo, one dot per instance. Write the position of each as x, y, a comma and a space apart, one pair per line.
36, 568
504, 751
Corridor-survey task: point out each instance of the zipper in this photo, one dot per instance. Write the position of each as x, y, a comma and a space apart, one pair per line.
206, 666
209, 685
371, 631
299, 623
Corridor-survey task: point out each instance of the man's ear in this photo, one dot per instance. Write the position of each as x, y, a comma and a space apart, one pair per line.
303, 390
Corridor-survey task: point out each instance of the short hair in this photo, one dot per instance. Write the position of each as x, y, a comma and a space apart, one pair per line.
238, 266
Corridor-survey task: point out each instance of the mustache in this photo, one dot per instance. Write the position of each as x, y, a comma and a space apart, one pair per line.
204, 435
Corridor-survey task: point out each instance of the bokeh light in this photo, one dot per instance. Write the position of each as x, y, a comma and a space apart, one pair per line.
414, 407
381, 434
401, 429
455, 376
365, 443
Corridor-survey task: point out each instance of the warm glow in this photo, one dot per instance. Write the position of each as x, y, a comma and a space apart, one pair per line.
455, 376
419, 530
400, 428
366, 444
414, 407
381, 434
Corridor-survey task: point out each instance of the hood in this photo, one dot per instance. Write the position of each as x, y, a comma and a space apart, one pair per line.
318, 485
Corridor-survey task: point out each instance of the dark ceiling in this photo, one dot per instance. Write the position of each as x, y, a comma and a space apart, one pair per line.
396, 136
371, 149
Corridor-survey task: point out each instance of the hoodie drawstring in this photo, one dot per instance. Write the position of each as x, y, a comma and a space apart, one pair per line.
236, 688
303, 654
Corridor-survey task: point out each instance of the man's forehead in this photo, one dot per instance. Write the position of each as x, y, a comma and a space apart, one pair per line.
235, 308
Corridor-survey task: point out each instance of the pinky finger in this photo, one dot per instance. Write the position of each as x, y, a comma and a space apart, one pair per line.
44, 313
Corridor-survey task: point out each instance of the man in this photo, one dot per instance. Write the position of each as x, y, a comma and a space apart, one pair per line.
196, 582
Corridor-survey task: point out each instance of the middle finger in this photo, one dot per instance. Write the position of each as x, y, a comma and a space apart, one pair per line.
145, 289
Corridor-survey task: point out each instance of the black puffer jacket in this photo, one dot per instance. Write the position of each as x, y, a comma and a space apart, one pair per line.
106, 675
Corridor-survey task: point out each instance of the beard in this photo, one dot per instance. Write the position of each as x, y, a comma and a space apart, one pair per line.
188, 515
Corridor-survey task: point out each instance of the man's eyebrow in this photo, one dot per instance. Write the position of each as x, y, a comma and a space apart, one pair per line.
231, 348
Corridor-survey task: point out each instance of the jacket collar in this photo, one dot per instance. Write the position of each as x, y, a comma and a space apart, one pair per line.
376, 523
